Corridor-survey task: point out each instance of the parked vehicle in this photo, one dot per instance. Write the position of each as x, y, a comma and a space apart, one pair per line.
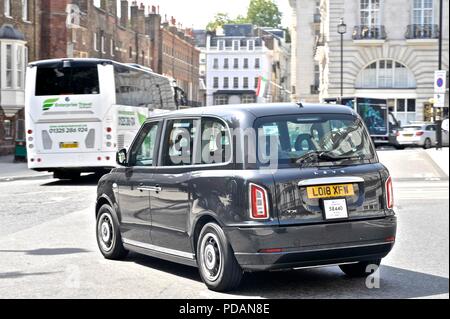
196, 188
80, 112
423, 135
380, 122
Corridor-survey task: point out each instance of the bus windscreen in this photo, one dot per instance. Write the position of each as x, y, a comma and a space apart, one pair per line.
74, 80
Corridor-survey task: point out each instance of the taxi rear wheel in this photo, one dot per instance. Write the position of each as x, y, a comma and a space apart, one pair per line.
217, 264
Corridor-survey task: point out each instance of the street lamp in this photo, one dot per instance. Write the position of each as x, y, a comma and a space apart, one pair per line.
342, 29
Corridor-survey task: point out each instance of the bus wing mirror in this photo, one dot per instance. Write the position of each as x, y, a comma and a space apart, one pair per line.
121, 157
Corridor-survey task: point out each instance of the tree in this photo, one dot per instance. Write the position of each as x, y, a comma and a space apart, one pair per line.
220, 19
261, 13
264, 13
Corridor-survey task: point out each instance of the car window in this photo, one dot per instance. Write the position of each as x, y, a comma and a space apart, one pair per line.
431, 128
179, 142
215, 143
288, 138
143, 153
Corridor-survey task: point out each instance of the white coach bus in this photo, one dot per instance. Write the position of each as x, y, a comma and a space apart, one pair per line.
80, 112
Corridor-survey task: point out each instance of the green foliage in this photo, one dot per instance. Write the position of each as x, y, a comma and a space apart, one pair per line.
262, 13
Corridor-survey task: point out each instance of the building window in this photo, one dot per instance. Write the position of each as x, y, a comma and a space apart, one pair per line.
216, 83
7, 127
256, 82
257, 63
8, 8
226, 63
130, 52
9, 65
221, 45
102, 43
220, 100
423, 12
25, 10
236, 83
20, 66
386, 74
95, 41
245, 83
247, 99
226, 83
112, 47
251, 45
216, 64
370, 13
236, 45
245, 63
236, 63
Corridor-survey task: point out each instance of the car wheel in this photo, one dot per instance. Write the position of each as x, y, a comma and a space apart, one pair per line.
108, 235
428, 144
217, 264
360, 269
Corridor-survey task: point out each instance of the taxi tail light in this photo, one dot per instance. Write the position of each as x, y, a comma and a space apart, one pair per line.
259, 207
420, 133
389, 193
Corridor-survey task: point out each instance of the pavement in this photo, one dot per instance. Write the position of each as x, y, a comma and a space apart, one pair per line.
48, 247
9, 170
416, 164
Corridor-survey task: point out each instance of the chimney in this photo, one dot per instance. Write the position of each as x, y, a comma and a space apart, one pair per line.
112, 7
124, 13
134, 15
141, 19
104, 5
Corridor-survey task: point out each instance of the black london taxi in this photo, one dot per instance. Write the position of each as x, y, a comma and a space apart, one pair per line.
235, 189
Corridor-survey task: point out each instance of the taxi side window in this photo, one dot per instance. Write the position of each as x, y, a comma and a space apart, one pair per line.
179, 142
143, 153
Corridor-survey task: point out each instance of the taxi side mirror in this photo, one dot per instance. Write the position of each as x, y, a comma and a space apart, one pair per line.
121, 157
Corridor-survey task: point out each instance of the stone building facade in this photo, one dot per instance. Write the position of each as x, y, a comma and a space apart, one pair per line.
390, 50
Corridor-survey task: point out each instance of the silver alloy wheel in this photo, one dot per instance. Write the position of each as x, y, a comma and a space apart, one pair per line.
105, 232
211, 256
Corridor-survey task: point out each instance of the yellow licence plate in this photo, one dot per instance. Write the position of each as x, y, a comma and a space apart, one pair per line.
330, 191
68, 145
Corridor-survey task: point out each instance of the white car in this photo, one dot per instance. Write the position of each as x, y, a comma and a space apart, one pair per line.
423, 135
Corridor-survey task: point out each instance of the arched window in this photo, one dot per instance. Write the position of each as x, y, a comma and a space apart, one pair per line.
386, 74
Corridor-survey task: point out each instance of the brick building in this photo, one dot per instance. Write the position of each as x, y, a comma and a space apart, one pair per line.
46, 29
180, 60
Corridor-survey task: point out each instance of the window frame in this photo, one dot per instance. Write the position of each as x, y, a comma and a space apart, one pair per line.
7, 8
198, 120
25, 11
373, 14
136, 140
422, 9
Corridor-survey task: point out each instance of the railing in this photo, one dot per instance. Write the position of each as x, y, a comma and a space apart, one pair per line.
363, 32
422, 31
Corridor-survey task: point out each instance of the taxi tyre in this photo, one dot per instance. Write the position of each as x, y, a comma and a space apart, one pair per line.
117, 250
360, 269
229, 273
428, 144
